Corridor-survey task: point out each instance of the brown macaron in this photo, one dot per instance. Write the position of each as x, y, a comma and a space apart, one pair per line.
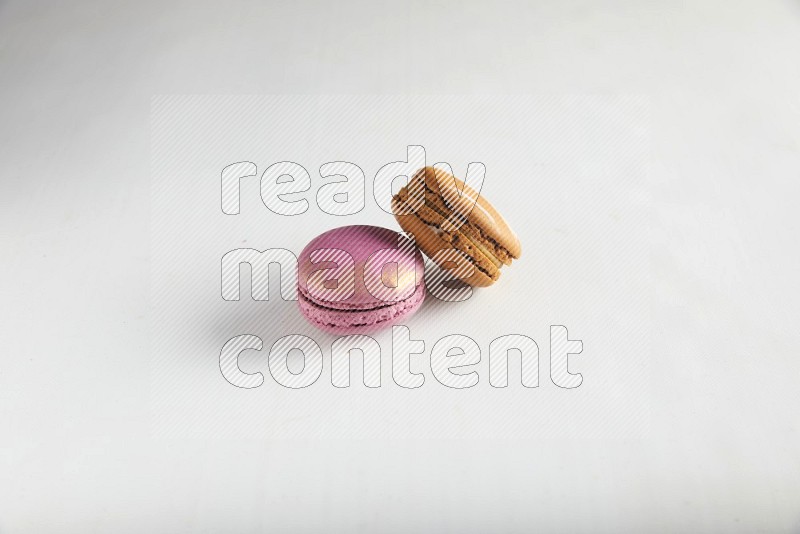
431, 207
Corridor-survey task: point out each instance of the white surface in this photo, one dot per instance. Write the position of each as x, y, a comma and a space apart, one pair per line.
584, 226
77, 452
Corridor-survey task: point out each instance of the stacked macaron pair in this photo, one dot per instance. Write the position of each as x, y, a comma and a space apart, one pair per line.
358, 279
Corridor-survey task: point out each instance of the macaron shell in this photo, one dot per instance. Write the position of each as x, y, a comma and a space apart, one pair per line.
429, 207
360, 243
432, 242
435, 212
466, 238
344, 287
360, 321
456, 194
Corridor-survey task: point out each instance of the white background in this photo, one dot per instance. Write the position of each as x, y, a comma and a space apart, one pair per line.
569, 173
77, 446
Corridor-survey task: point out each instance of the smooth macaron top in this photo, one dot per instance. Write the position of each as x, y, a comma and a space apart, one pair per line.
359, 267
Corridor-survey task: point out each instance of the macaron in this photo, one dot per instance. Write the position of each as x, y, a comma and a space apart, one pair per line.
431, 207
359, 279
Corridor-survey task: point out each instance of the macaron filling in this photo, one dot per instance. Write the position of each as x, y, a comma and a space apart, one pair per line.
435, 225
437, 204
333, 315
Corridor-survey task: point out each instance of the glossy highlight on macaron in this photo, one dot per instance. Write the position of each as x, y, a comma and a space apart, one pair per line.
359, 279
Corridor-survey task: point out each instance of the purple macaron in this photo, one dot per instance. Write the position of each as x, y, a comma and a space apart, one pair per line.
358, 279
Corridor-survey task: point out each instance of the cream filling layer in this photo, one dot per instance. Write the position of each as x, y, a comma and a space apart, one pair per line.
486, 252
439, 232
494, 259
